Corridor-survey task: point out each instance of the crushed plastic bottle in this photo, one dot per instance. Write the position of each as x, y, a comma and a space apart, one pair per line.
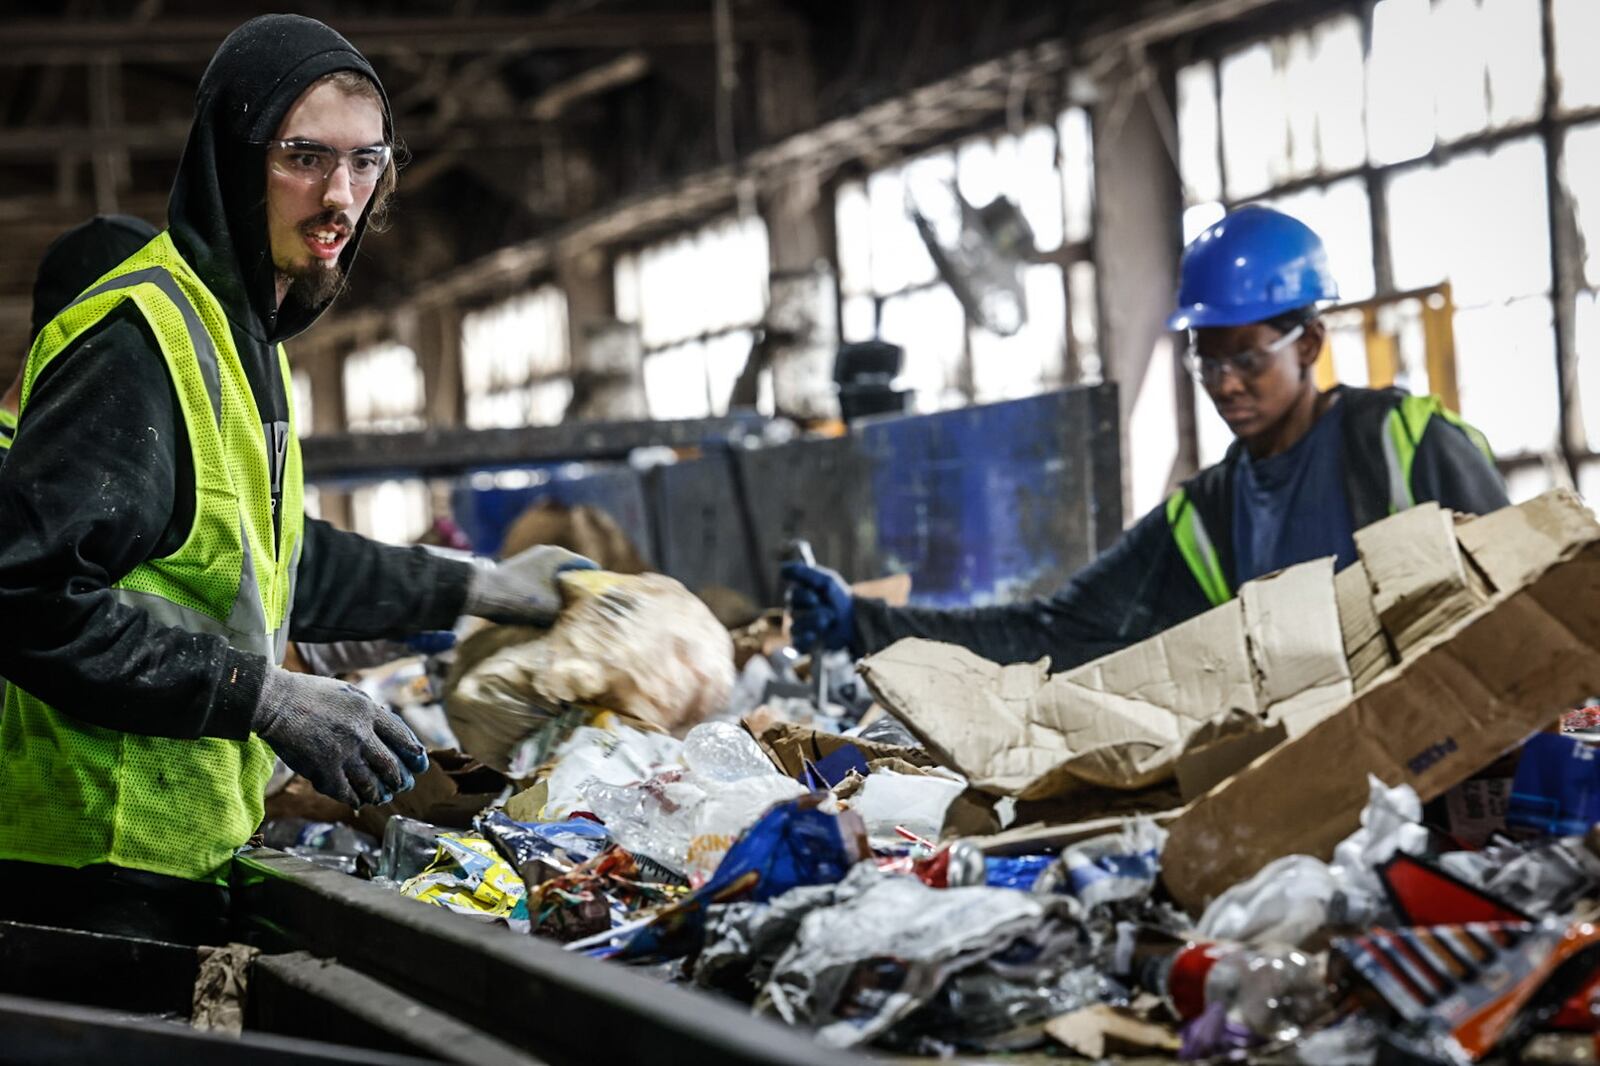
721, 751
1271, 993
408, 847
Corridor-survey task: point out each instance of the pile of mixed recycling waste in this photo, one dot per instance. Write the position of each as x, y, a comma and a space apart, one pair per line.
1294, 871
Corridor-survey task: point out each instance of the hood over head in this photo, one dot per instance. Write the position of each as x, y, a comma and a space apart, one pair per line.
80, 257
217, 213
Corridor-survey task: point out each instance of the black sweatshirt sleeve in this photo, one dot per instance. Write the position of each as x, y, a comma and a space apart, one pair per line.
1138, 588
1450, 470
353, 588
86, 494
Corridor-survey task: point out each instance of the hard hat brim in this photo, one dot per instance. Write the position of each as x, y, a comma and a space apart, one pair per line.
1208, 316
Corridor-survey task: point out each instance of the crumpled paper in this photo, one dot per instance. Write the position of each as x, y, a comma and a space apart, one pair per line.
220, 987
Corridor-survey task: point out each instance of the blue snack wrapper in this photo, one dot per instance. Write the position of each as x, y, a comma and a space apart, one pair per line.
793, 844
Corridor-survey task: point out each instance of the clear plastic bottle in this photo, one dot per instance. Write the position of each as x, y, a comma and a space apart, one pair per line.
1273, 992
408, 847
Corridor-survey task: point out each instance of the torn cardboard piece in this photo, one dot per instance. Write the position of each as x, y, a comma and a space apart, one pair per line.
1463, 695
1420, 579
450, 792
1121, 721
1101, 1030
791, 746
1366, 646
1222, 747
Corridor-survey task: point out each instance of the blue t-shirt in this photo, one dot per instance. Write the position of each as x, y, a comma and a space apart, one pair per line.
1291, 508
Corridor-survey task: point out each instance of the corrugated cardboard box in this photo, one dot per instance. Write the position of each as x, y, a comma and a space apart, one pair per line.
1498, 623
1276, 653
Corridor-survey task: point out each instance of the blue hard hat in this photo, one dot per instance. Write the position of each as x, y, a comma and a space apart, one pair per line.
1253, 265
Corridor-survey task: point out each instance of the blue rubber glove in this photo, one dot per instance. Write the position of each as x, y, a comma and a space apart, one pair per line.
821, 610
431, 641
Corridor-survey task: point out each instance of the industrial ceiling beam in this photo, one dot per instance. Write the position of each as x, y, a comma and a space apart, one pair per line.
36, 41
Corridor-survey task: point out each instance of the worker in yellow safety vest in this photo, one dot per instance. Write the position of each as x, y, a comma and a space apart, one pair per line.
1307, 468
155, 557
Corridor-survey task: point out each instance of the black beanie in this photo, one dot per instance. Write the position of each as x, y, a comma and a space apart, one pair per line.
79, 257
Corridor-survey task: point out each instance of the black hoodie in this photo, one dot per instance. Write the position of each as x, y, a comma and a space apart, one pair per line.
100, 477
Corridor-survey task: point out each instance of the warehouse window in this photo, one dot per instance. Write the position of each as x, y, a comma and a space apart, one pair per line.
395, 512
382, 390
1420, 108
697, 300
383, 393
515, 366
890, 288
304, 416
1582, 179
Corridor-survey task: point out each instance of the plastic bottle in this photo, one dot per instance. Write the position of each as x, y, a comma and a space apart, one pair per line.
408, 847
1274, 992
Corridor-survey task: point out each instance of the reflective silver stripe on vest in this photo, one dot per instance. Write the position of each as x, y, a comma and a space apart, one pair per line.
1202, 539
1399, 492
246, 618
205, 352
164, 612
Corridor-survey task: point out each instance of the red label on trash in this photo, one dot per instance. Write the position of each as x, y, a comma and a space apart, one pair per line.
1186, 981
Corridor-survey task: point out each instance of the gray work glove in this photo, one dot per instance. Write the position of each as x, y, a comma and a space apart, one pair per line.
523, 590
333, 734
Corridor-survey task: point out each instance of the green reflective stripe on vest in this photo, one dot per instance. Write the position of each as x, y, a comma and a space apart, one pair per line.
1402, 433
8, 428
73, 794
1194, 543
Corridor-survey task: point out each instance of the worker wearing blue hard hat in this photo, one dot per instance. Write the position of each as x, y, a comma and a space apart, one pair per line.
1307, 468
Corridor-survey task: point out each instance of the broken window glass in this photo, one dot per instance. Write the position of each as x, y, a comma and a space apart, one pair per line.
1581, 159
1335, 87
675, 382
394, 512
1253, 123
1085, 323
504, 349
1399, 82
852, 214
1512, 41
1077, 173
1587, 342
1456, 58
1197, 134
382, 389
707, 281
1037, 186
1506, 372
1030, 360
1577, 24
1292, 107
1442, 228
899, 259
858, 319
931, 326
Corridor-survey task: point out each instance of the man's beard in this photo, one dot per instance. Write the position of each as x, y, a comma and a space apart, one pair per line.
314, 285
